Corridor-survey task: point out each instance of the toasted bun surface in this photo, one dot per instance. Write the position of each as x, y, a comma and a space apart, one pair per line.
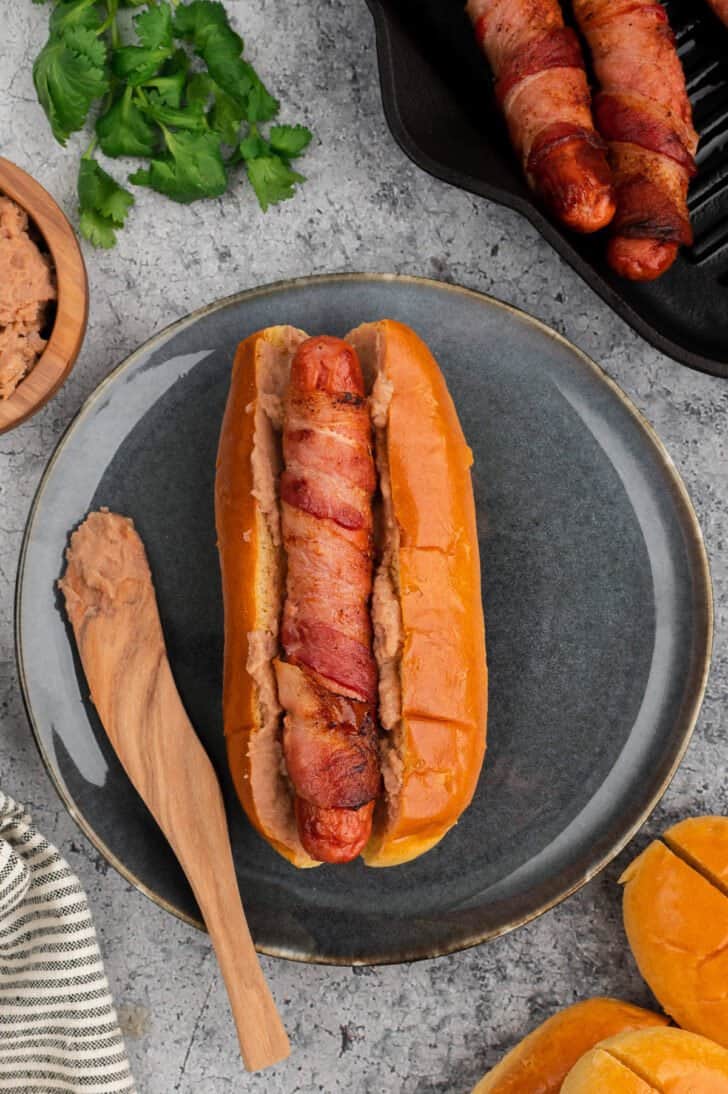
651, 1061
703, 843
252, 586
543, 1059
433, 766
676, 919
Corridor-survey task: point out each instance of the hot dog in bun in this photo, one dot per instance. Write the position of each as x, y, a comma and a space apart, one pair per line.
355, 680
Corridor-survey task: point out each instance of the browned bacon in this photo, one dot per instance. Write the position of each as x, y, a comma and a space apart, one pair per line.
644, 113
542, 88
327, 683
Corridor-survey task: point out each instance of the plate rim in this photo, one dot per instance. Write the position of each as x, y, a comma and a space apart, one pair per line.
703, 591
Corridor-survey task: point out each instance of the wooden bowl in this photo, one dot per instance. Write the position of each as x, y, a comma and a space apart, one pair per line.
69, 326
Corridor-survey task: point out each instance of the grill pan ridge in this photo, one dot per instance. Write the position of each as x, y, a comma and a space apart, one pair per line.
439, 103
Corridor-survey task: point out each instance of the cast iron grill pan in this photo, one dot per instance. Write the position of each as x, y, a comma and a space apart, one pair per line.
439, 103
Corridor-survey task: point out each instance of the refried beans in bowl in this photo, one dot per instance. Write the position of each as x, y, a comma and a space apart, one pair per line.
27, 295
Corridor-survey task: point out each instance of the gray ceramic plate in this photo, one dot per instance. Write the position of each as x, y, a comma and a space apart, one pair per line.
597, 600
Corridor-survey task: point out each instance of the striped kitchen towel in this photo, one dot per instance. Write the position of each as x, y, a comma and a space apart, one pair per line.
58, 1026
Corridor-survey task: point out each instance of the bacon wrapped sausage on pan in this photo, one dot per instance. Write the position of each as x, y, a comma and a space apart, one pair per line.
542, 88
643, 111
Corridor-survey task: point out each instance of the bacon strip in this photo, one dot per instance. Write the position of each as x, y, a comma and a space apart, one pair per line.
720, 7
644, 113
542, 87
328, 682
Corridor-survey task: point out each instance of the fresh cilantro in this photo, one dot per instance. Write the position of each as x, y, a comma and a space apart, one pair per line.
75, 13
261, 106
172, 79
272, 179
136, 64
204, 23
190, 117
171, 87
69, 74
198, 18
123, 129
200, 88
193, 168
103, 204
289, 141
253, 146
154, 26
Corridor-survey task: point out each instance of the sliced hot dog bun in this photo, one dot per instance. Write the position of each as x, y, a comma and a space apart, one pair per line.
427, 608
543, 1059
249, 543
651, 1061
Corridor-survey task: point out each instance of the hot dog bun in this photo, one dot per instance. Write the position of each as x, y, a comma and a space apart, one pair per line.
248, 537
427, 610
433, 759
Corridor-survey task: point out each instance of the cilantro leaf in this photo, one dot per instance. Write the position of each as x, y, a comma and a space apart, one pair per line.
261, 106
289, 140
69, 74
193, 169
204, 23
190, 117
170, 83
154, 26
137, 64
103, 204
124, 131
198, 18
74, 13
200, 88
97, 229
272, 179
225, 115
252, 147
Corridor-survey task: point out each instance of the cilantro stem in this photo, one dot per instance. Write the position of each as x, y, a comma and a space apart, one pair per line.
112, 7
89, 153
110, 22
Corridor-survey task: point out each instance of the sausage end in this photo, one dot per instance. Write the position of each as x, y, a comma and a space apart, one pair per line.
640, 259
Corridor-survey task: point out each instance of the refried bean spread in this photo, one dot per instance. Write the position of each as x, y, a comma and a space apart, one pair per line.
27, 285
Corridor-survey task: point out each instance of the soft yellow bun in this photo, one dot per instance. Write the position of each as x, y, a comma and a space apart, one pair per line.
443, 677
651, 1061
541, 1061
676, 919
251, 582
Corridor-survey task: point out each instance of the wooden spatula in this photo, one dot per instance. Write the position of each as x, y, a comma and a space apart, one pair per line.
112, 607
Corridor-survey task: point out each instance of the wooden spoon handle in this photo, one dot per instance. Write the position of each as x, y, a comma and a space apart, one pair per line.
263, 1039
183, 793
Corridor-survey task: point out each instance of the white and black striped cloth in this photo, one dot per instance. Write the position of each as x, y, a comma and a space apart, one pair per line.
58, 1026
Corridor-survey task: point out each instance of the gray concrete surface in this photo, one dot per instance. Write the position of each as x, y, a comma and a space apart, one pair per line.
433, 1026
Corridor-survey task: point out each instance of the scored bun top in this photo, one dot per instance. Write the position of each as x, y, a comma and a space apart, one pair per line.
651, 1061
676, 917
543, 1059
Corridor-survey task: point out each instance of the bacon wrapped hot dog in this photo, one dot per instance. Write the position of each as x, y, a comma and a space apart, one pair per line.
328, 683
644, 113
542, 87
336, 748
